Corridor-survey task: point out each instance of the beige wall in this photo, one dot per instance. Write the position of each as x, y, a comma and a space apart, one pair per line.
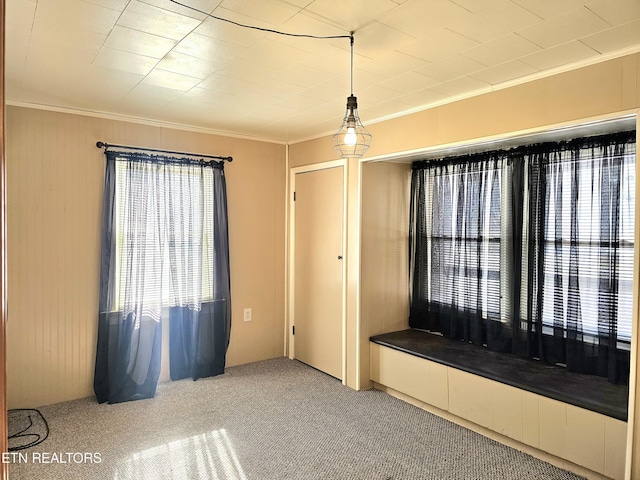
55, 181
384, 252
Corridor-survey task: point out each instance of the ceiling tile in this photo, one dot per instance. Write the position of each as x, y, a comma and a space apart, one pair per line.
76, 14
564, 28
392, 107
273, 11
142, 43
476, 5
416, 17
504, 72
207, 48
118, 5
59, 62
174, 81
272, 54
332, 59
255, 100
20, 13
438, 44
231, 33
496, 21
564, 54
318, 114
375, 39
268, 116
124, 61
303, 75
16, 52
618, 12
422, 97
248, 71
361, 79
199, 95
275, 113
150, 95
300, 103
206, 6
110, 85
462, 86
550, 8
276, 88
377, 94
393, 64
324, 91
156, 21
71, 39
116, 80
450, 68
353, 14
409, 82
62, 71
299, 3
225, 85
616, 38
303, 23
501, 50
55, 92
185, 64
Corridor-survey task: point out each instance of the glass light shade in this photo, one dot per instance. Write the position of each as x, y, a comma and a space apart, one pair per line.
351, 139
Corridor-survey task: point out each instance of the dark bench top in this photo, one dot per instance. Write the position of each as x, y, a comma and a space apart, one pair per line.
586, 391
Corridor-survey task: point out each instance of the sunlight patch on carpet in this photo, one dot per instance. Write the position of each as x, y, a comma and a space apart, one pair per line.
208, 455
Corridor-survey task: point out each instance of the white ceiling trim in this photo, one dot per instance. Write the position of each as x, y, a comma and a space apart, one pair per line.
142, 121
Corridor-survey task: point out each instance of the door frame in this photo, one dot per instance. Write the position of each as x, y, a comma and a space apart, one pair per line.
4, 441
290, 301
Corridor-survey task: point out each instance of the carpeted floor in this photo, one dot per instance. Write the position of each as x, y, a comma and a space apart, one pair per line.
271, 420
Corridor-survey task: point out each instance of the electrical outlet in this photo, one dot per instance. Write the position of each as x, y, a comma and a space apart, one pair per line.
247, 314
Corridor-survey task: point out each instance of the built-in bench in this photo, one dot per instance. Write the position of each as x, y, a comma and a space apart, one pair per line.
574, 417
586, 391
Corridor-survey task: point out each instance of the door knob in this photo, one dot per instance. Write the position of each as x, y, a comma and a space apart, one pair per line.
339, 257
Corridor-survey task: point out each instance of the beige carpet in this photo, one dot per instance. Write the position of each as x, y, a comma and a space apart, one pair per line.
277, 419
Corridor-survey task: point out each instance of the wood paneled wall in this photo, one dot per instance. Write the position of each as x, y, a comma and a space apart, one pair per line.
55, 175
384, 253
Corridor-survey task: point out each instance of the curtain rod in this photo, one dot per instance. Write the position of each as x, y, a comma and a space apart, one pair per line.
108, 145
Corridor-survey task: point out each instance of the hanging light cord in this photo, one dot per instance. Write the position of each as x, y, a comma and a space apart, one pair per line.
351, 37
266, 29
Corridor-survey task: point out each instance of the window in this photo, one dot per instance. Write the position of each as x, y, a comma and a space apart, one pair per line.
163, 224
529, 250
588, 241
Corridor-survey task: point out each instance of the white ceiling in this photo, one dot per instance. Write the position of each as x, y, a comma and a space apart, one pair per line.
155, 60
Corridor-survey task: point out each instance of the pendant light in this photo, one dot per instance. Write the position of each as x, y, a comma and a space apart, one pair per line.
351, 139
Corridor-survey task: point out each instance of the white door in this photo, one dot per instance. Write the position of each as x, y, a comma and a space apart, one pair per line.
318, 267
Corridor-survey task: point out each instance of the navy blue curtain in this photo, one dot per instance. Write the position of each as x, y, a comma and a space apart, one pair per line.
165, 250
